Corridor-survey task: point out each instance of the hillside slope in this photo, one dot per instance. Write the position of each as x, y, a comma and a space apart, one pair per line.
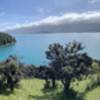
5, 38
32, 89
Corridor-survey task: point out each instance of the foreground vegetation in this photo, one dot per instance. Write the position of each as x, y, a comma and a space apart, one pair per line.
32, 89
70, 75
5, 39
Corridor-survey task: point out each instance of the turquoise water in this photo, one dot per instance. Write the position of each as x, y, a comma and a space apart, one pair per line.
30, 48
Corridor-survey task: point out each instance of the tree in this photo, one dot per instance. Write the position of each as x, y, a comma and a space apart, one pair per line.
10, 74
55, 54
68, 62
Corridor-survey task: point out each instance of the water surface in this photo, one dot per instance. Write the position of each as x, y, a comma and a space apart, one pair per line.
30, 48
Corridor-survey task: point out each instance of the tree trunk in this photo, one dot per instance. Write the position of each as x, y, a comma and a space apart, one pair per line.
53, 83
47, 83
66, 83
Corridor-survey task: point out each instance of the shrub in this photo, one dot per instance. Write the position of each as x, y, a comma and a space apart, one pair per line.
9, 75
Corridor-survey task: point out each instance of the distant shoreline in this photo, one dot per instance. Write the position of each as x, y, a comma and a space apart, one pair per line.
40, 33
6, 39
8, 44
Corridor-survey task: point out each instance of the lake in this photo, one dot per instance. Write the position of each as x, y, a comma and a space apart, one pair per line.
30, 48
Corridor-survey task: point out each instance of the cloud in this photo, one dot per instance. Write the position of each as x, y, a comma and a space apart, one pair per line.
69, 22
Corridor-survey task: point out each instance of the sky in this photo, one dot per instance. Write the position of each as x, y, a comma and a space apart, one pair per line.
45, 15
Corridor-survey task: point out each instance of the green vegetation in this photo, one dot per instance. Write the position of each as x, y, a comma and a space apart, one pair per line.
9, 75
67, 63
70, 75
32, 89
5, 39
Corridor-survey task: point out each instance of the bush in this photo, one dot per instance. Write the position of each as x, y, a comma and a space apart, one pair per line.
9, 75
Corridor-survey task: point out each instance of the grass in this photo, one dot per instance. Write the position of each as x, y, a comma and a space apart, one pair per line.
32, 89
94, 94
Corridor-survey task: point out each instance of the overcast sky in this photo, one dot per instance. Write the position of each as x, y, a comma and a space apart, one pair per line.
29, 16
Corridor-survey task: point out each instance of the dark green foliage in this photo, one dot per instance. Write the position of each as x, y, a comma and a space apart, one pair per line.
94, 76
6, 39
9, 75
68, 62
27, 71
